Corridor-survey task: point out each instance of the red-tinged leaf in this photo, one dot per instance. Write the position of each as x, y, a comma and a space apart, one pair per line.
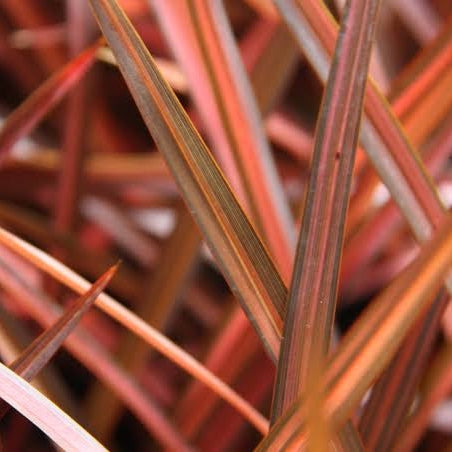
133, 323
435, 388
170, 71
239, 253
15, 63
264, 7
46, 36
44, 414
422, 73
31, 15
99, 167
420, 18
117, 224
392, 396
96, 359
421, 100
386, 145
421, 79
371, 342
41, 350
90, 262
232, 351
312, 298
14, 337
158, 299
270, 55
283, 130
76, 126
27, 115
204, 45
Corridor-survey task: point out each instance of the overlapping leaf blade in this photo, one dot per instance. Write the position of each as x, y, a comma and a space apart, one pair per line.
132, 322
239, 252
225, 100
40, 351
36, 106
394, 159
372, 341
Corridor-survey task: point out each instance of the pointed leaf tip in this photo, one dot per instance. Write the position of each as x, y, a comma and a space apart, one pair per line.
43, 348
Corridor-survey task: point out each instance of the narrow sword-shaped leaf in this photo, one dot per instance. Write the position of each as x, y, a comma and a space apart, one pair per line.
134, 323
223, 96
239, 114
269, 53
312, 297
387, 147
391, 397
422, 72
157, 301
13, 339
417, 91
36, 106
136, 167
173, 75
95, 358
378, 229
75, 124
240, 254
392, 156
230, 353
272, 66
41, 350
89, 262
383, 415
44, 414
436, 387
121, 228
372, 341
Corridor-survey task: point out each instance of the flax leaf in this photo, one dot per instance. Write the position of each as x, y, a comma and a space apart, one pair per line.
27, 115
44, 414
372, 341
135, 324
312, 297
41, 350
386, 145
240, 254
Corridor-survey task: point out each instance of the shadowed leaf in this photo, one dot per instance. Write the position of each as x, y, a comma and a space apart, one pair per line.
42, 349
135, 324
230, 112
36, 106
393, 394
372, 341
240, 254
92, 355
159, 297
392, 155
436, 386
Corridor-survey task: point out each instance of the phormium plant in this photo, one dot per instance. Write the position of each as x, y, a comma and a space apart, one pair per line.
273, 176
